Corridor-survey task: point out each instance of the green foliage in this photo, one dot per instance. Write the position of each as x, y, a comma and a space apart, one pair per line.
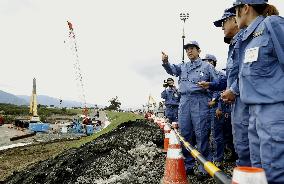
9, 118
77, 110
11, 111
39, 106
114, 104
64, 110
43, 111
116, 118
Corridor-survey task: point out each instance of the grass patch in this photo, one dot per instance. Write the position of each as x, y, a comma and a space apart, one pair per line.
116, 118
19, 158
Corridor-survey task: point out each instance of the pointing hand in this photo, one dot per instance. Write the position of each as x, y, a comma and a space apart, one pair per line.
165, 57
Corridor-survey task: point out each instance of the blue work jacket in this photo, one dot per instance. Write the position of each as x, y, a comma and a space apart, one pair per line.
190, 73
261, 77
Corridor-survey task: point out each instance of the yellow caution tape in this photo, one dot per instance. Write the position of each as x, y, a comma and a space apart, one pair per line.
210, 168
195, 153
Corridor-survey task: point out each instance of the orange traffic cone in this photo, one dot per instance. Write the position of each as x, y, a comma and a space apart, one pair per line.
167, 131
248, 175
175, 169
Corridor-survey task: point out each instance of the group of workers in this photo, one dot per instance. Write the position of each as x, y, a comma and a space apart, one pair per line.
247, 102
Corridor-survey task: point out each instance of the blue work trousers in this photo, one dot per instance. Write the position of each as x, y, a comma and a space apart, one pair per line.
240, 122
217, 135
266, 135
172, 113
194, 122
227, 130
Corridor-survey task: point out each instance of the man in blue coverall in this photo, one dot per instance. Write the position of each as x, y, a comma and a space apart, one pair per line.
240, 111
223, 112
261, 80
194, 114
172, 97
217, 122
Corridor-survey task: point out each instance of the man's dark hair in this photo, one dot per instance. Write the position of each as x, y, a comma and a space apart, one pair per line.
170, 79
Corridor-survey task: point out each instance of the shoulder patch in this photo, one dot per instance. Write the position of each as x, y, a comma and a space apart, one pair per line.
258, 32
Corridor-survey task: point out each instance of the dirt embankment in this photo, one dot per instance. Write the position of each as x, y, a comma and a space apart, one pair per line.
130, 154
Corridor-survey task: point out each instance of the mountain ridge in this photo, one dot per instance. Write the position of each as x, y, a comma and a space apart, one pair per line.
10, 98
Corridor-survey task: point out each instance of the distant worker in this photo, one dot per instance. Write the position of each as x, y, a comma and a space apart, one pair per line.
172, 98
160, 112
194, 114
96, 113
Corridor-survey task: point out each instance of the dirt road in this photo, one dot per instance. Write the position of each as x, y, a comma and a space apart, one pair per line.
6, 133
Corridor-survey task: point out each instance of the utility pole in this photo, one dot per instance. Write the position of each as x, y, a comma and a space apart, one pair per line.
183, 17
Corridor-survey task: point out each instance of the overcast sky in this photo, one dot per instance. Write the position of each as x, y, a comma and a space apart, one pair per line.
119, 43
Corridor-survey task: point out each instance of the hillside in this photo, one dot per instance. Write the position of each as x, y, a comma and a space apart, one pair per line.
47, 100
9, 98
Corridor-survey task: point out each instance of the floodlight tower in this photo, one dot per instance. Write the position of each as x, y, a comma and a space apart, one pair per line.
183, 17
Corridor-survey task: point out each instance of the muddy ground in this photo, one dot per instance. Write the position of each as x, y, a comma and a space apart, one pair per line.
130, 154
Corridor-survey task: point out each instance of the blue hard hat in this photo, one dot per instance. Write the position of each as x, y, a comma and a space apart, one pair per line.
239, 2
227, 14
210, 57
191, 44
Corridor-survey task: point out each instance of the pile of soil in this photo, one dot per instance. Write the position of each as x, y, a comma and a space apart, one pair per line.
130, 154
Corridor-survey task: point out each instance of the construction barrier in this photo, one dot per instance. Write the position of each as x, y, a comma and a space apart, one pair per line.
175, 169
248, 175
219, 176
167, 131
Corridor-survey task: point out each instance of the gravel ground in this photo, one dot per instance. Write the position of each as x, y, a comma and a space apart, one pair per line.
6, 133
40, 137
48, 137
130, 154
